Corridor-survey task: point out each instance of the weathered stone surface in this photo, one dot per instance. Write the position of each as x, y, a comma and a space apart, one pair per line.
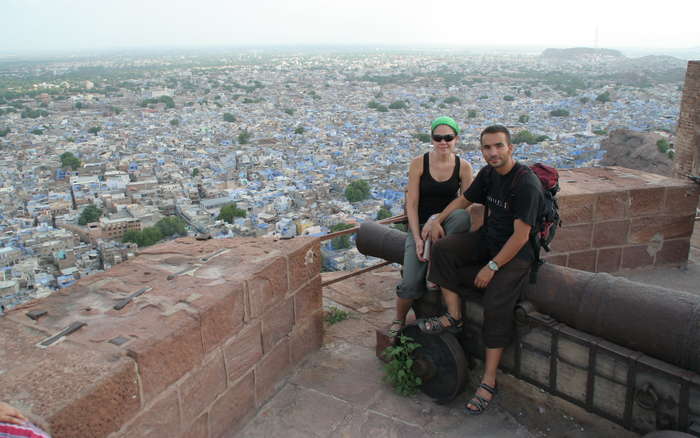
198, 429
174, 348
646, 202
306, 337
611, 206
673, 251
577, 209
636, 256
584, 260
221, 316
682, 200
203, 385
573, 238
304, 261
308, 300
277, 322
610, 233
230, 411
267, 286
642, 230
161, 419
609, 259
270, 370
52, 385
243, 352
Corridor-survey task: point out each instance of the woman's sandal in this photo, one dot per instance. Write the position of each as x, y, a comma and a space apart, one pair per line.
480, 404
434, 325
395, 328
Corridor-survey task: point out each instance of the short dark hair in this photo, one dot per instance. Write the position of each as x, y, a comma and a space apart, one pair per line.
495, 129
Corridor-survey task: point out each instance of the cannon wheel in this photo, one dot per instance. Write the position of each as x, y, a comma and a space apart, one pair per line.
439, 362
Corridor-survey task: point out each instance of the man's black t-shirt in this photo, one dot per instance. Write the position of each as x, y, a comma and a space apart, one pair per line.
506, 202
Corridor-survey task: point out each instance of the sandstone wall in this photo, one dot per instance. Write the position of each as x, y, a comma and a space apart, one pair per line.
209, 341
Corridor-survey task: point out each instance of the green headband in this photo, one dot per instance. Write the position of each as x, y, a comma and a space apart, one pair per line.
444, 120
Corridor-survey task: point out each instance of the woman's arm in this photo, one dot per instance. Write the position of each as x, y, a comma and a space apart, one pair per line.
415, 171
466, 175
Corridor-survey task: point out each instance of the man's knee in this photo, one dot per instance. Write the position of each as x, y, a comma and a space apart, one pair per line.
458, 221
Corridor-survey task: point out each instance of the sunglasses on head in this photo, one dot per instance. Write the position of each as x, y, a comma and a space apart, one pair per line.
438, 138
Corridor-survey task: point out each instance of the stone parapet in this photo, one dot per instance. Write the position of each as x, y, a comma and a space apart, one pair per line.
615, 218
217, 326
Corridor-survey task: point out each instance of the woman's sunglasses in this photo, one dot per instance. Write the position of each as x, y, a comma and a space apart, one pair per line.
438, 138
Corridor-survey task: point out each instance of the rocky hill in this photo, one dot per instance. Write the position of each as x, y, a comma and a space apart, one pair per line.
636, 150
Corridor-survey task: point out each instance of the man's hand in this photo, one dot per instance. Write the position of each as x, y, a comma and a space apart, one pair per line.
433, 230
8, 414
483, 278
420, 246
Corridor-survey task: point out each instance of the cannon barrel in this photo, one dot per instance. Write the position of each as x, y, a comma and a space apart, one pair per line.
660, 322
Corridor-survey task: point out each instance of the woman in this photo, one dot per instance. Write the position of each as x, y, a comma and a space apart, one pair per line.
434, 180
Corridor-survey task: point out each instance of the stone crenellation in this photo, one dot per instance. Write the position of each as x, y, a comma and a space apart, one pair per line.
687, 159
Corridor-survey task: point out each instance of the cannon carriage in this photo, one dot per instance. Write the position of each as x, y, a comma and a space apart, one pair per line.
626, 351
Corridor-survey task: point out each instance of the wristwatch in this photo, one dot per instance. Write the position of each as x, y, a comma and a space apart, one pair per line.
492, 265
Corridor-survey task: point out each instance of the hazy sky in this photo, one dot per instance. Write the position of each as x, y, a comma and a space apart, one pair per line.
88, 24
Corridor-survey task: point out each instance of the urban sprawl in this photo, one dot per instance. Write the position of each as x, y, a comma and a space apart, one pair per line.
103, 153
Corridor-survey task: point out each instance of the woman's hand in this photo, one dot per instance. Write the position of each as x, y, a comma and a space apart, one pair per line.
420, 246
433, 230
8, 414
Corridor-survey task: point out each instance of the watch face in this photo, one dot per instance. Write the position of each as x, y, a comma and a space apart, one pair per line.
493, 266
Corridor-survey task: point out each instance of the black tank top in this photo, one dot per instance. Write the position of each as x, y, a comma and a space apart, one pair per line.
433, 195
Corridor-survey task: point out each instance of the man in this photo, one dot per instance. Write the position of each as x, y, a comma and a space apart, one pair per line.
496, 258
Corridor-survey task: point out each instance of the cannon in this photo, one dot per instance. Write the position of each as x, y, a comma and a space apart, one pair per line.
627, 351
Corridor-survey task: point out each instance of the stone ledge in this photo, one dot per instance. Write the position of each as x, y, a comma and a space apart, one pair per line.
156, 355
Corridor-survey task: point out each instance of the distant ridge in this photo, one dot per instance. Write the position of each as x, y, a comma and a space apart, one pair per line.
580, 52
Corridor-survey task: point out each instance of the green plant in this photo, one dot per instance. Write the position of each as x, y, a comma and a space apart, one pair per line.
335, 315
399, 371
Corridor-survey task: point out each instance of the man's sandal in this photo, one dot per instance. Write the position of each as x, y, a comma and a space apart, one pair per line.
395, 328
480, 404
434, 325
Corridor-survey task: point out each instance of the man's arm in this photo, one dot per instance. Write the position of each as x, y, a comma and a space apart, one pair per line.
516, 241
8, 414
433, 228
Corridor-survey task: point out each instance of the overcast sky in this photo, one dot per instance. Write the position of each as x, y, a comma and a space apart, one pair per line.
48, 25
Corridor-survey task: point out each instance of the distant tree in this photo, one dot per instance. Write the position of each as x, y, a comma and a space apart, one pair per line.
171, 225
671, 154
527, 93
526, 136
36, 131
423, 137
524, 118
357, 191
600, 131
340, 242
4, 132
150, 236
373, 104
398, 104
299, 130
483, 97
94, 129
383, 213
450, 100
78, 105
70, 139
603, 97
382, 109
228, 117
471, 113
116, 110
175, 122
89, 214
195, 172
133, 236
70, 160
584, 100
230, 211
244, 136
289, 111
559, 113
663, 145
508, 98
